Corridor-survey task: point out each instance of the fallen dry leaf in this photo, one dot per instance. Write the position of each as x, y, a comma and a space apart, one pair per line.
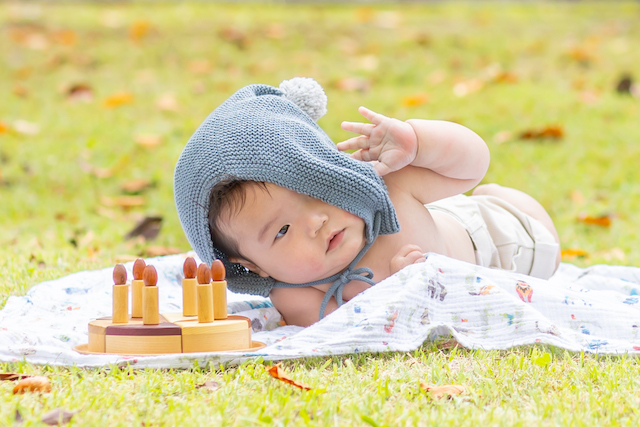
148, 140
118, 100
20, 90
279, 374
505, 77
502, 137
415, 100
17, 418
235, 36
26, 128
148, 227
139, 30
79, 92
33, 384
10, 376
444, 345
58, 417
613, 254
200, 66
65, 37
437, 392
153, 251
168, 102
574, 252
465, 88
136, 185
351, 84
602, 220
124, 202
209, 385
550, 132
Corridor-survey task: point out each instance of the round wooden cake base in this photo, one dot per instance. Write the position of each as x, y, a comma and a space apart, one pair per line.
173, 334
84, 349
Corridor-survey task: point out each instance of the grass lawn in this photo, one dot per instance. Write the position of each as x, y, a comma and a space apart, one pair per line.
99, 99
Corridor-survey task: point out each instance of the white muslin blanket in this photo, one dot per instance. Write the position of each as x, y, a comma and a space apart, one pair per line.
592, 310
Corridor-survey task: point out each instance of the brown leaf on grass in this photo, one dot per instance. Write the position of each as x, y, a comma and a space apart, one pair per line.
135, 186
574, 252
364, 14
436, 392
124, 202
20, 90
279, 374
17, 418
149, 228
581, 55
235, 36
415, 100
168, 102
200, 66
65, 37
139, 30
209, 385
118, 100
79, 92
148, 140
33, 384
352, 84
26, 128
505, 77
153, 251
550, 132
445, 345
58, 417
602, 220
502, 137
10, 376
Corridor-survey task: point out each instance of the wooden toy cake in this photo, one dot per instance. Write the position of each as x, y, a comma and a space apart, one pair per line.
203, 325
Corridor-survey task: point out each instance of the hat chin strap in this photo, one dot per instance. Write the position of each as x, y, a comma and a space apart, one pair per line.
339, 280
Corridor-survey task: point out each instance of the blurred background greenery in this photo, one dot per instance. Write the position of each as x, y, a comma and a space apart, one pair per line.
98, 100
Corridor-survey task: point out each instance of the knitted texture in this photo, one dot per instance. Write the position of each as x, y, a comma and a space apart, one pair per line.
258, 134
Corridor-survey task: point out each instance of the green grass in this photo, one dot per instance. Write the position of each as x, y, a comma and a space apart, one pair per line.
567, 59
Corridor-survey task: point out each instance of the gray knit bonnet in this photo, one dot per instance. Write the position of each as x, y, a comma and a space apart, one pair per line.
268, 134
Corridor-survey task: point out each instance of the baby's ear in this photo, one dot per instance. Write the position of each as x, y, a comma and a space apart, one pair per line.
250, 266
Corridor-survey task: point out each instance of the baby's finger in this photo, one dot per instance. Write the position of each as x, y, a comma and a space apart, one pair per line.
372, 116
382, 168
356, 127
354, 143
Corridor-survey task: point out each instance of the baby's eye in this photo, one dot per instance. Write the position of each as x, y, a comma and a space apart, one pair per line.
282, 231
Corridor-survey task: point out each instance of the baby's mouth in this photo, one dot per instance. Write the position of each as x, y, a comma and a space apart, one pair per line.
335, 239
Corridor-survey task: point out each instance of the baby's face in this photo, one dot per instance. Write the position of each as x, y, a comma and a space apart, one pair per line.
292, 237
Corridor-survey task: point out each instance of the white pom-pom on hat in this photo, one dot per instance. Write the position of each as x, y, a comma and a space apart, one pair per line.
307, 94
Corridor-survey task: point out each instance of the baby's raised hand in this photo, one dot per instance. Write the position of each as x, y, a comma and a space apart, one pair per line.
390, 144
407, 255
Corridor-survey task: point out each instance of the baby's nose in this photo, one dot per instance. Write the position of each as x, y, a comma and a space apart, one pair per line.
316, 222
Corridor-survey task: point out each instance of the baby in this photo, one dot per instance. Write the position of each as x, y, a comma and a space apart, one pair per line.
262, 187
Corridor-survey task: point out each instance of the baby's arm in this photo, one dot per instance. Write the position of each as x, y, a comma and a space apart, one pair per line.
300, 306
450, 157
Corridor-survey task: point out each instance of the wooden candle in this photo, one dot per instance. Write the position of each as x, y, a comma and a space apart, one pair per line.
150, 304
120, 312
189, 284
219, 287
205, 294
136, 288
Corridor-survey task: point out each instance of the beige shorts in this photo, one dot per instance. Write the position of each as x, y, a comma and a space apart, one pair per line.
503, 236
